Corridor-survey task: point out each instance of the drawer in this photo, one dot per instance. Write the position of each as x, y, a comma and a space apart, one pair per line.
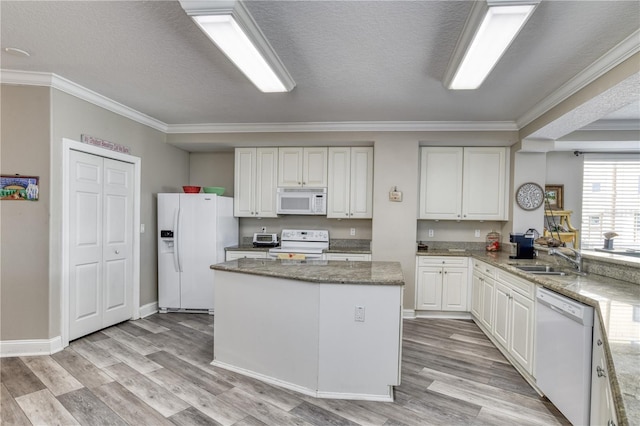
442, 261
483, 268
522, 286
352, 257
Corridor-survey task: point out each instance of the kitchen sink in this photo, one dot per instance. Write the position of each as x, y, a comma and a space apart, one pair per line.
540, 269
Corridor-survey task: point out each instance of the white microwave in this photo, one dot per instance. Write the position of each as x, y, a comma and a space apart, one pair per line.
302, 201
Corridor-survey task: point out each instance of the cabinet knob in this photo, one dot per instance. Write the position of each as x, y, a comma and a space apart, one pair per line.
600, 371
611, 423
346, 214
117, 251
599, 343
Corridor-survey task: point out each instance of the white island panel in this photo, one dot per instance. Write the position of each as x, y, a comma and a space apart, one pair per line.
359, 359
267, 327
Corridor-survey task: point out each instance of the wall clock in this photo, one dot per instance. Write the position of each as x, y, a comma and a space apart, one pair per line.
530, 196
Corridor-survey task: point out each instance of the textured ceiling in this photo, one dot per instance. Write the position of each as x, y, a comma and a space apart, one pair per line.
351, 60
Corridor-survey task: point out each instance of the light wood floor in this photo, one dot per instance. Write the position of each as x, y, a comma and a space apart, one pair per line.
156, 371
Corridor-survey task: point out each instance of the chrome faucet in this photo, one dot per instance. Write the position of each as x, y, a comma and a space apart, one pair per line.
576, 262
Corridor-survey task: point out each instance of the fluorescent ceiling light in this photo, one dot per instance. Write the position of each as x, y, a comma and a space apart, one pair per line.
230, 26
487, 34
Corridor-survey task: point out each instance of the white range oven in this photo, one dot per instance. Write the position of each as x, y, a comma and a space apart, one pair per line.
308, 243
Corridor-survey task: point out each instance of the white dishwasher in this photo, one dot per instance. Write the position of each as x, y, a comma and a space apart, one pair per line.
564, 334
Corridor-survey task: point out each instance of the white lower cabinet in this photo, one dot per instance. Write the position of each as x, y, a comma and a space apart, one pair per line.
349, 257
482, 292
442, 283
513, 324
504, 305
603, 411
249, 254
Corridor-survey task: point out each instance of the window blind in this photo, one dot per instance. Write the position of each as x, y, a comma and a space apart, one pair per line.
611, 200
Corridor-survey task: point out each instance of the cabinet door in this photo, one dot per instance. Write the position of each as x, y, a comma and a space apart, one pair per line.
290, 162
487, 302
476, 296
266, 182
361, 187
501, 298
603, 409
314, 167
429, 289
521, 330
440, 183
454, 289
244, 182
339, 181
484, 183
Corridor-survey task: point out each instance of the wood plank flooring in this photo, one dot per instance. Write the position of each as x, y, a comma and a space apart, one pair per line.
156, 371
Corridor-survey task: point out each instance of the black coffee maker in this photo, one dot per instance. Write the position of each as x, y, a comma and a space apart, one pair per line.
524, 245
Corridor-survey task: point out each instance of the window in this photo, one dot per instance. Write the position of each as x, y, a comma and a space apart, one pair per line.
611, 200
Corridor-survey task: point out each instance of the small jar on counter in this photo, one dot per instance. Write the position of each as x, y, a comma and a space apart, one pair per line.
493, 241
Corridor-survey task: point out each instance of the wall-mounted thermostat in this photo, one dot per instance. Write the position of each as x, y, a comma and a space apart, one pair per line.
395, 195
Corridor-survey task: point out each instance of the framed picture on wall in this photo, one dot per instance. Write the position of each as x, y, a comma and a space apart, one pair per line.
553, 197
18, 187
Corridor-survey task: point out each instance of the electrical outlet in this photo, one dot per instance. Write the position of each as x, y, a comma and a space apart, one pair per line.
264, 229
359, 314
430, 232
477, 234
352, 232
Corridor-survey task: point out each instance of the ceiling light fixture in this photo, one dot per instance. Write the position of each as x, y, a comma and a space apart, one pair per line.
230, 26
488, 32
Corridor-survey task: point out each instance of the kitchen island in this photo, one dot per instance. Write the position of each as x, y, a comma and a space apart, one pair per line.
329, 329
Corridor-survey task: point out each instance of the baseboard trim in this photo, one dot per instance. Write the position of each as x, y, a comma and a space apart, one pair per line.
408, 314
148, 309
443, 315
30, 347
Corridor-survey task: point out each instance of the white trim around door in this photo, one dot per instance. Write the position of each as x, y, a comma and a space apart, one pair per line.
69, 145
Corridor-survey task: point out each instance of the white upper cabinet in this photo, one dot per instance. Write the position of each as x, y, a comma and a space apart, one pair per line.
463, 183
298, 167
441, 183
350, 183
256, 177
484, 184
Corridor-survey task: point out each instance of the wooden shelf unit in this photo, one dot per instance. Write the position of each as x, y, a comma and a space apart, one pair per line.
562, 218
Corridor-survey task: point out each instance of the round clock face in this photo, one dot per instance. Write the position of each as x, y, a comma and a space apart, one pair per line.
530, 196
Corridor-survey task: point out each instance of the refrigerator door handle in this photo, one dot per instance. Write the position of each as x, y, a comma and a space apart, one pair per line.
179, 239
176, 246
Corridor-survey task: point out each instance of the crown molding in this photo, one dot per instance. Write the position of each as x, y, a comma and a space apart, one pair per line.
614, 57
30, 78
346, 126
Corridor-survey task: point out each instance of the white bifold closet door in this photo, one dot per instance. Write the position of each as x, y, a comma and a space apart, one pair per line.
101, 192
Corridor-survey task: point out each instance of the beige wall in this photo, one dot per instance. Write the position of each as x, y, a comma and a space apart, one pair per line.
212, 169
24, 276
164, 169
564, 168
34, 121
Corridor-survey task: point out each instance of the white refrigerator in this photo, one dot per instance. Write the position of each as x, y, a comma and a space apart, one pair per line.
193, 230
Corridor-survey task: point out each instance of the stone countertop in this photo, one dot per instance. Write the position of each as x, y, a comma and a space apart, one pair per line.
319, 271
617, 303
